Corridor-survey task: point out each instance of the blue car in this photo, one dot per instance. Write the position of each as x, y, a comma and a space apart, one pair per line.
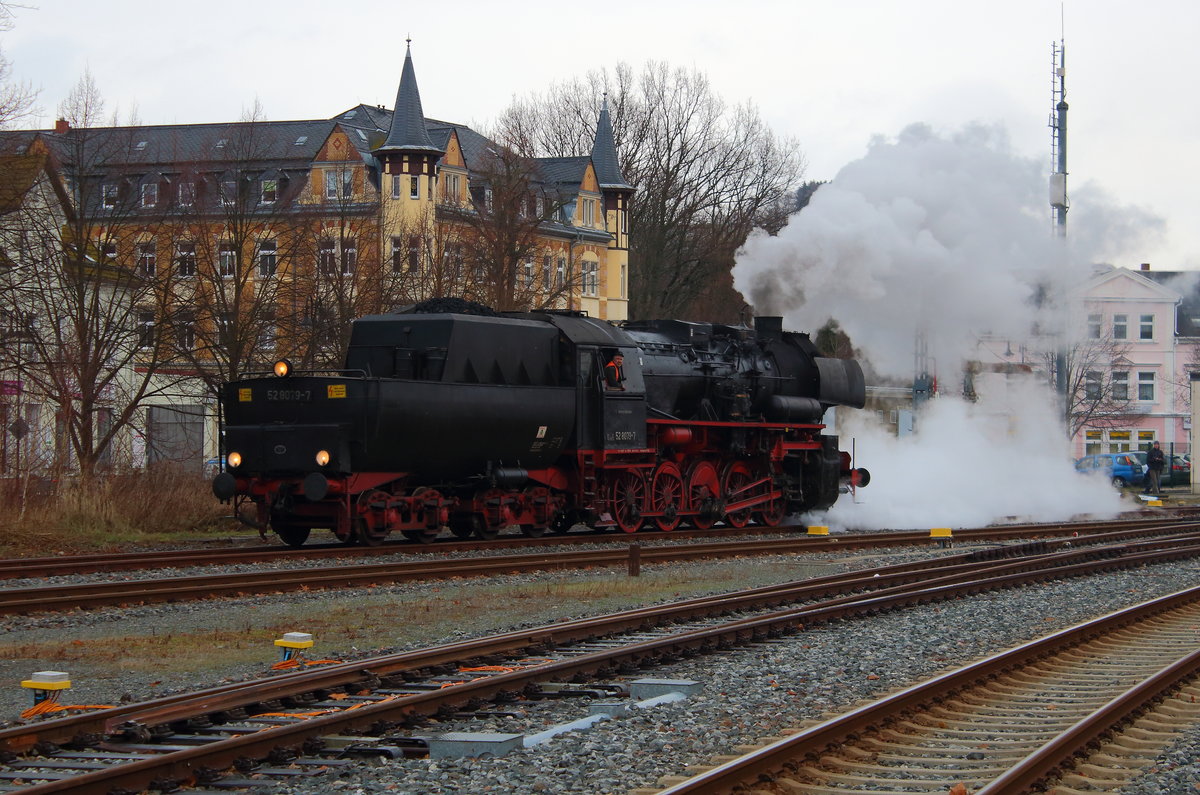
1123, 469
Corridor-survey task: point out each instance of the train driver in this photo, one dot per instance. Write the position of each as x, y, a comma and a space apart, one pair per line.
614, 372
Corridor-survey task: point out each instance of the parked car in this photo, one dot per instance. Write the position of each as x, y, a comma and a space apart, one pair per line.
1123, 469
1177, 473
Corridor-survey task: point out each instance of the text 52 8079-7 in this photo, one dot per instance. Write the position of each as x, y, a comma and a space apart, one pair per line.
290, 395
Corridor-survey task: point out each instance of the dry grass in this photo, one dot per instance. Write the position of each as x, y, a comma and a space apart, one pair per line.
245, 635
135, 508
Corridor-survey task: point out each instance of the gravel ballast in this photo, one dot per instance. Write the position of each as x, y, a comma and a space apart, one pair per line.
745, 695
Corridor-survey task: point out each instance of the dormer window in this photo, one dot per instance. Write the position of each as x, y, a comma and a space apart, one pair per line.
301, 141
228, 193
221, 143
362, 135
141, 146
150, 194
109, 192
270, 191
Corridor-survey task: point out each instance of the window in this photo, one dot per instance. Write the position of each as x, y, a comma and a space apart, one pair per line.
396, 182
591, 278
1146, 386
1146, 327
267, 332
546, 272
1093, 326
108, 251
487, 199
1091, 385
227, 260
624, 279
150, 194
270, 191
145, 328
225, 329
397, 255
624, 222
432, 186
1092, 442
268, 259
187, 194
560, 273
1120, 327
589, 212
228, 193
147, 259
339, 183
185, 259
185, 331
109, 193
414, 254
327, 258
453, 188
1119, 441
414, 187
349, 257
1120, 386
530, 273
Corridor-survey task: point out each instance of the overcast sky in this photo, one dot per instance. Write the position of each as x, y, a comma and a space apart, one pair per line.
831, 75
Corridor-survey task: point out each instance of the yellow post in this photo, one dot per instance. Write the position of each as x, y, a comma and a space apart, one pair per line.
818, 530
944, 535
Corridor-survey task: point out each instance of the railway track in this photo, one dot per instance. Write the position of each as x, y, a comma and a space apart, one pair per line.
58, 565
1077, 710
194, 738
29, 600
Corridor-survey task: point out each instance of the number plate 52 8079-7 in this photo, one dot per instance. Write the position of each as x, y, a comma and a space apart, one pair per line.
290, 395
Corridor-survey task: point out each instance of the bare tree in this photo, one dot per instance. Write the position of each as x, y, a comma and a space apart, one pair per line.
706, 173
503, 237
17, 99
238, 244
1096, 396
76, 287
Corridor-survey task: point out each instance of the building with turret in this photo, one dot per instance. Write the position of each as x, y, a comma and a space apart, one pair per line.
238, 243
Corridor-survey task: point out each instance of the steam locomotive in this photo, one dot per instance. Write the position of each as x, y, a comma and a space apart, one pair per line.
478, 422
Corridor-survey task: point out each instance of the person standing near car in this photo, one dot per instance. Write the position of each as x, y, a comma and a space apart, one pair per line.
1154, 463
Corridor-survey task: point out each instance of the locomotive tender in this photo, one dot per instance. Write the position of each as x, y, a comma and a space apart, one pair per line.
481, 422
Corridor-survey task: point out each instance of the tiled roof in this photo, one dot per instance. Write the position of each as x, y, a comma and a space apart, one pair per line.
407, 131
604, 154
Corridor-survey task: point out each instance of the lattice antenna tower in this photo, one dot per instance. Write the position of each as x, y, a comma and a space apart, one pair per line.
1058, 135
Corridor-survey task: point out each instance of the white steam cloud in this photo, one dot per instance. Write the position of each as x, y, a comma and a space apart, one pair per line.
970, 465
945, 237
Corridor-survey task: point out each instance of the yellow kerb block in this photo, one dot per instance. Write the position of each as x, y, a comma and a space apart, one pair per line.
818, 530
48, 680
1154, 503
295, 640
940, 532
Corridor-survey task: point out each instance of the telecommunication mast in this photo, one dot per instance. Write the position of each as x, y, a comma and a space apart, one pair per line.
1058, 135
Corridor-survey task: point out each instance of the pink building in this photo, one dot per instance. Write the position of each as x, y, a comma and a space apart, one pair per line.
1143, 327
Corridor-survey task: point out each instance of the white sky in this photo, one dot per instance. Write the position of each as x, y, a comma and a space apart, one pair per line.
830, 74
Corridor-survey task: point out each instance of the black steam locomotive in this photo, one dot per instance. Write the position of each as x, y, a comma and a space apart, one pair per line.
482, 422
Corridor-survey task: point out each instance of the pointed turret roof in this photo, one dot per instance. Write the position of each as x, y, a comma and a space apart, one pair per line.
408, 131
604, 154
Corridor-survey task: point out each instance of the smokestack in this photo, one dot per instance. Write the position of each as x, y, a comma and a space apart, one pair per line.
61, 126
769, 326
1145, 266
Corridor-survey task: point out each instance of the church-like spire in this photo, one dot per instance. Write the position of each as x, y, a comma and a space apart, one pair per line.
408, 133
604, 154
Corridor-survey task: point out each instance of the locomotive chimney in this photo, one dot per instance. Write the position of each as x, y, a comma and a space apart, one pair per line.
769, 326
